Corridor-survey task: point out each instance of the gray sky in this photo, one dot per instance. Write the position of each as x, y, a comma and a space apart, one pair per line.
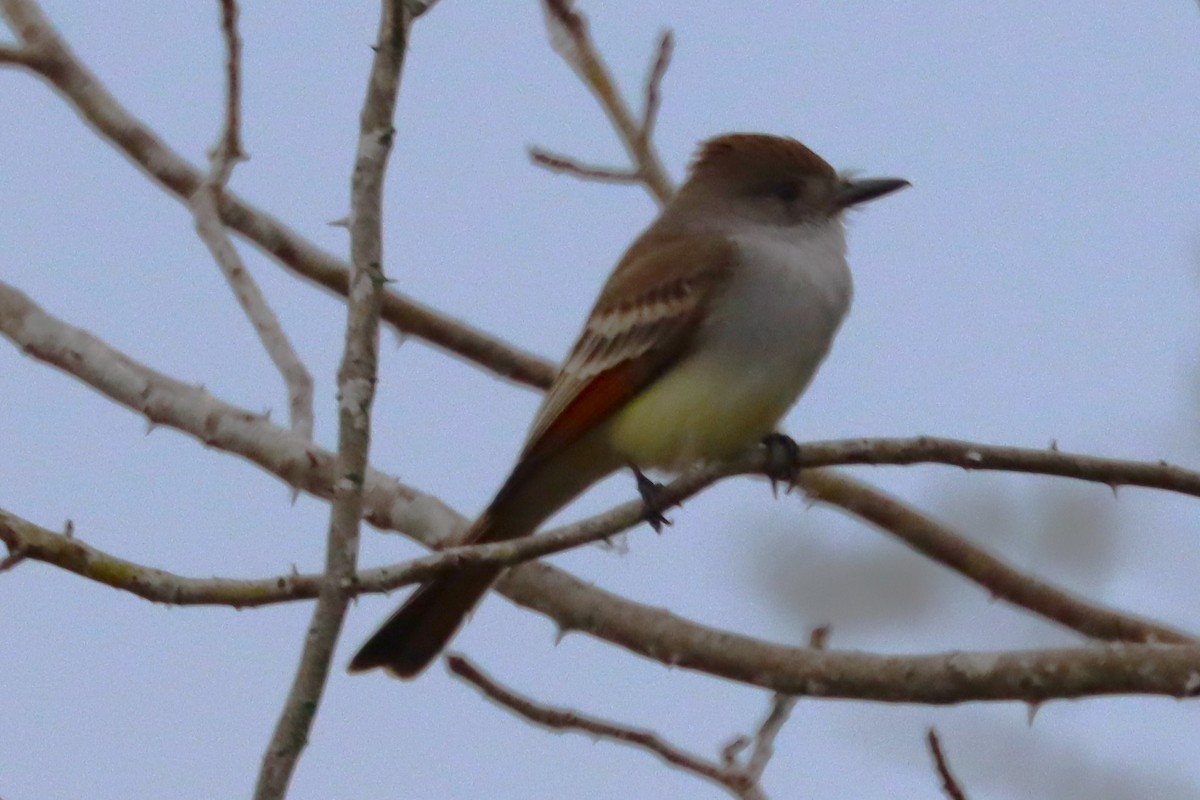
1039, 282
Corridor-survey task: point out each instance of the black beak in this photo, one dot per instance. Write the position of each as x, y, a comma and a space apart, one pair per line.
854, 192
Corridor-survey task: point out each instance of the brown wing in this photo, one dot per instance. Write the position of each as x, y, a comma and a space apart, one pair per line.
643, 320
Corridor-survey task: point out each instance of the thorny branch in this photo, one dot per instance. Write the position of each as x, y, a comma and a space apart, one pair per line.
205, 204
573, 604
739, 781
47, 55
357, 377
923, 534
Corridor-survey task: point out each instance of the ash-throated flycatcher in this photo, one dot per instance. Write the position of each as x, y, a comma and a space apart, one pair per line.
711, 326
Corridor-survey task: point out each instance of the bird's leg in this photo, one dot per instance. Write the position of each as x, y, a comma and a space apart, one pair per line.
783, 456
652, 496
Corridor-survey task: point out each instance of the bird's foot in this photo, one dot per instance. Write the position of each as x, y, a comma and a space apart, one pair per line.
652, 497
783, 456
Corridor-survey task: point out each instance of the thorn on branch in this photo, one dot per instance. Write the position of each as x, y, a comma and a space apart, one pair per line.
819, 637
731, 751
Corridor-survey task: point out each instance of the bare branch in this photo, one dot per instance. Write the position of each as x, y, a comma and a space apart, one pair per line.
164, 400
25, 540
919, 532
764, 737
356, 393
1111, 472
205, 203
666, 46
570, 39
946, 678
564, 164
561, 720
53, 60
228, 150
949, 784
1001, 580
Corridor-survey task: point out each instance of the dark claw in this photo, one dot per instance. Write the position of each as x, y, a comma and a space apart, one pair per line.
783, 456
652, 496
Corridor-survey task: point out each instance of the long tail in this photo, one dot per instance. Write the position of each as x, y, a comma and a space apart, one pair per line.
414, 635
418, 631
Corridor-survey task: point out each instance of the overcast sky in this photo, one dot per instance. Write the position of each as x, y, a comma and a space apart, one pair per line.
1039, 283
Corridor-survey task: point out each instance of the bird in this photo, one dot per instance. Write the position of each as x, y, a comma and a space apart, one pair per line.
708, 330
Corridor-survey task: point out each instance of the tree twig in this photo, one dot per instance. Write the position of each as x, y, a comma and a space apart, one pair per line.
942, 678
763, 743
556, 162
977, 565
356, 392
653, 94
205, 202
731, 777
950, 784
163, 400
49, 56
570, 39
971, 456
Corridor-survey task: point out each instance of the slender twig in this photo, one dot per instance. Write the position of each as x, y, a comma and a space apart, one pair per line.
764, 738
169, 402
570, 39
562, 720
1111, 472
653, 94
977, 565
556, 162
26, 540
166, 401
228, 150
205, 204
356, 392
50, 57
950, 784
918, 531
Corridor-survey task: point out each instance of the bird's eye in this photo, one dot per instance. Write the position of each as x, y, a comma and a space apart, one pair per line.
787, 190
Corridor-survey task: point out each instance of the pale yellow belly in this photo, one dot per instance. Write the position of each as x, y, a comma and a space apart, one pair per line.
700, 411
